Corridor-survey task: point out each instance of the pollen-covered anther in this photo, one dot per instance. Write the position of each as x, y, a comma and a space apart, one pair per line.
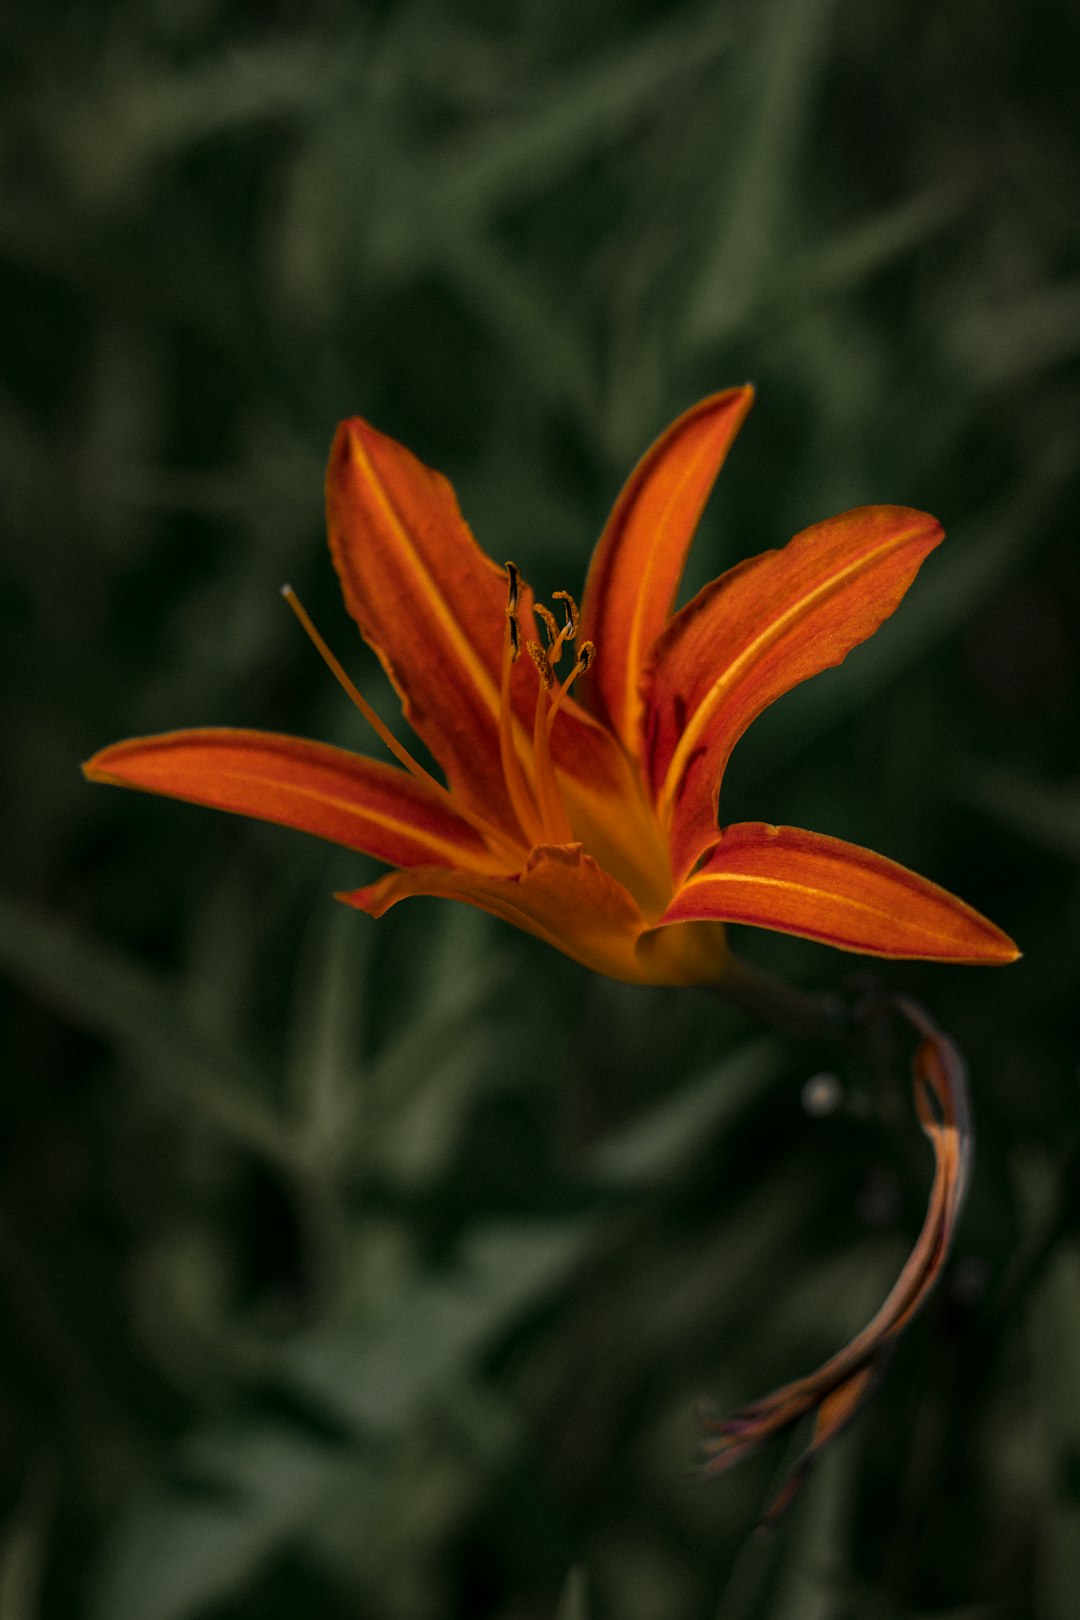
586, 656
571, 608
542, 662
513, 628
554, 634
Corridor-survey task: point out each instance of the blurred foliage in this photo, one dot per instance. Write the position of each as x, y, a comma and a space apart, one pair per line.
356, 1268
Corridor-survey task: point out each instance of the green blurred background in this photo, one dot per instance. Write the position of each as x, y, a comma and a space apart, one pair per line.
374, 1269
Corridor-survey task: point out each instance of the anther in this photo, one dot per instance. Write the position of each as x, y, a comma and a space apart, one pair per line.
549, 624
513, 589
586, 656
542, 662
571, 608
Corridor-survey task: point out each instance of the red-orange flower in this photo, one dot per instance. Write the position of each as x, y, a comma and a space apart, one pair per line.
589, 820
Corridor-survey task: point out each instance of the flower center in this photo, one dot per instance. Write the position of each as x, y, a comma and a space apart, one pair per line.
613, 820
535, 795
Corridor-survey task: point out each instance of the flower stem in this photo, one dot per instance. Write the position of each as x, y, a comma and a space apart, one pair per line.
791, 1011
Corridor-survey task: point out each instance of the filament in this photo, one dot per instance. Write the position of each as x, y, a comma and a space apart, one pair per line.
398, 749
516, 787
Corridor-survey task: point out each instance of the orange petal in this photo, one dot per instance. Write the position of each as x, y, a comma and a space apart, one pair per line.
430, 603
639, 561
756, 632
825, 889
609, 806
342, 797
563, 896
841, 1386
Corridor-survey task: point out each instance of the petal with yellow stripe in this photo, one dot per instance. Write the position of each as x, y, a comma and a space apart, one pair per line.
342, 797
825, 889
430, 603
755, 633
639, 560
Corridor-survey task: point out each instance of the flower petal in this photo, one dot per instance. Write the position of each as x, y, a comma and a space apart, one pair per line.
563, 896
638, 562
430, 603
839, 1388
825, 889
609, 807
756, 632
342, 797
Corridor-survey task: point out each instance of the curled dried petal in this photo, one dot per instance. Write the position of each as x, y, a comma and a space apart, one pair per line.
841, 1386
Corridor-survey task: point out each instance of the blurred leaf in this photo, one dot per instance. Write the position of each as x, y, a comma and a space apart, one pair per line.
177, 1550
651, 1149
803, 1571
563, 122
417, 1140
104, 992
840, 262
1004, 343
812, 1575
1048, 816
108, 130
377, 1381
324, 1083
22, 1552
419, 1087
574, 1602
763, 166
1055, 1333
539, 341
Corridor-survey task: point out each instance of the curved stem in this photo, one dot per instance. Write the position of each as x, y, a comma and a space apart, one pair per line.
790, 1010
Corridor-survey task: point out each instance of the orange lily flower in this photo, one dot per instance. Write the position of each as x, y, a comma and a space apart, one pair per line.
589, 819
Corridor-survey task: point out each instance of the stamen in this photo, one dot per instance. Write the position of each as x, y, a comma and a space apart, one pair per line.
586, 658
549, 625
557, 828
544, 819
542, 662
572, 620
400, 752
513, 775
513, 590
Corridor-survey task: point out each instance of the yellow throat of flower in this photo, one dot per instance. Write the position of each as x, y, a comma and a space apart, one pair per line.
611, 818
